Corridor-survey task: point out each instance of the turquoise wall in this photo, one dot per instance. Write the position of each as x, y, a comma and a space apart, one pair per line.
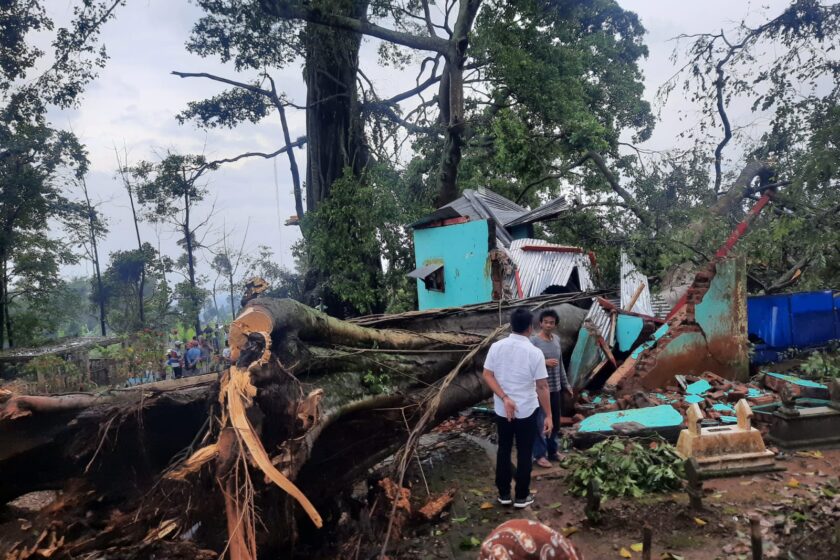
462, 249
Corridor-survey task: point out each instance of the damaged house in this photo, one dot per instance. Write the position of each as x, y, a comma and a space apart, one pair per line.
481, 248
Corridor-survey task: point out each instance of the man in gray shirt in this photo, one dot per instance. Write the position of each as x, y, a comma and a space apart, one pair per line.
545, 445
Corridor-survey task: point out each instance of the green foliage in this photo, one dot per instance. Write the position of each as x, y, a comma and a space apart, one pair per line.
341, 234
625, 467
140, 354
376, 384
226, 109
62, 311
564, 79
363, 217
54, 374
121, 284
36, 159
822, 365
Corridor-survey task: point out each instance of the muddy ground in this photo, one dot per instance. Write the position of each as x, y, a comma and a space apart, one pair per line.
782, 500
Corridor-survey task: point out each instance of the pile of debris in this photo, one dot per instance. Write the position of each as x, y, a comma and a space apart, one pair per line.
715, 395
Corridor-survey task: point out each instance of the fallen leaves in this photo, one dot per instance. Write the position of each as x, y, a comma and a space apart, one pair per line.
792, 483
699, 522
486, 505
469, 543
624, 553
637, 547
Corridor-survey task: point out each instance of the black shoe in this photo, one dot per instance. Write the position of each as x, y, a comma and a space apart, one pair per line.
554, 457
522, 503
504, 500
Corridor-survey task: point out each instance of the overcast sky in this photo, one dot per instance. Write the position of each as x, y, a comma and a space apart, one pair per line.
134, 101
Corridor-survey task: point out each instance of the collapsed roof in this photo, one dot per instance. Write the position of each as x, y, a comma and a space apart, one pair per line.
484, 204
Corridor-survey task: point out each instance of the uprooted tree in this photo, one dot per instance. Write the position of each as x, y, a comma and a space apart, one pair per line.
310, 405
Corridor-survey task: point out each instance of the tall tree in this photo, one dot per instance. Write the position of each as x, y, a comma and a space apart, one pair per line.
34, 157
466, 49
122, 164
227, 263
785, 68
132, 277
169, 190
92, 228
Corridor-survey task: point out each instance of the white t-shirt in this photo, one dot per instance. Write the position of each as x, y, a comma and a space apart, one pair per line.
517, 365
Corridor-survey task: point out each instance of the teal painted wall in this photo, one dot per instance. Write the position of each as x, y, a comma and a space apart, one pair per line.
628, 329
462, 249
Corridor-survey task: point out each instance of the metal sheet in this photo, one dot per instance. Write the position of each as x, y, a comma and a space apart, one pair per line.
547, 211
424, 271
630, 280
600, 318
538, 271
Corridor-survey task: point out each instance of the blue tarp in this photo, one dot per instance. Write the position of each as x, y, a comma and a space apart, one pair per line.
792, 321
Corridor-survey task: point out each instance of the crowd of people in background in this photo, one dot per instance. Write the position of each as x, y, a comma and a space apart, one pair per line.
208, 351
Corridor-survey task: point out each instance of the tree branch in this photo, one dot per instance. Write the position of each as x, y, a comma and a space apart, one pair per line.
291, 10
551, 176
246, 86
296, 144
599, 162
790, 277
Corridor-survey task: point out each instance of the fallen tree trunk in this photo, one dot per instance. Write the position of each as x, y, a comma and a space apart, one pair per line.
312, 403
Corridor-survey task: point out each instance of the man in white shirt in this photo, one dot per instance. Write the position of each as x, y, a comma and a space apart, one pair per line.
515, 371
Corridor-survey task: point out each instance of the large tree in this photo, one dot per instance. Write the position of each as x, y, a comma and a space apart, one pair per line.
169, 191
576, 88
35, 158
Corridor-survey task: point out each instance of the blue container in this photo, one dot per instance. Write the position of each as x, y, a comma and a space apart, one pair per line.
792, 321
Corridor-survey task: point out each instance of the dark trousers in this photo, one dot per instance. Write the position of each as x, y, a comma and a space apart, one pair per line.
177, 372
523, 430
546, 446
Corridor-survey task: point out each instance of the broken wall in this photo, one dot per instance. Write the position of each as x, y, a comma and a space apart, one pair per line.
708, 334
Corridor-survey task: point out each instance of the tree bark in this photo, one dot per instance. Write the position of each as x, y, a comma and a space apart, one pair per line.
191, 261
335, 137
456, 56
4, 308
95, 254
140, 298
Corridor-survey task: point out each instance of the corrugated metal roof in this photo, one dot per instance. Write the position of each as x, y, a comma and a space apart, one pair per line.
630, 280
599, 317
660, 306
484, 204
478, 205
545, 212
539, 270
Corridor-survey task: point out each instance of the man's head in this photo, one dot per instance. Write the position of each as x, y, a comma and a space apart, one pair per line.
520, 321
548, 320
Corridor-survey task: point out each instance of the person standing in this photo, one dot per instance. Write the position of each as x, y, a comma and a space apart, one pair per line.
515, 371
178, 368
545, 446
226, 355
192, 357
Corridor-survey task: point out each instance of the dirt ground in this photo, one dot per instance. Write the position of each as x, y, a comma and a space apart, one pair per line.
720, 530
799, 508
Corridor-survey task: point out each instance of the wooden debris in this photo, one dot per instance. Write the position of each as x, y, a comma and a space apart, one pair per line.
436, 506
